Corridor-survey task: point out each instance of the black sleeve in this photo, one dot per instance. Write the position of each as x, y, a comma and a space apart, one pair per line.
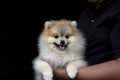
115, 39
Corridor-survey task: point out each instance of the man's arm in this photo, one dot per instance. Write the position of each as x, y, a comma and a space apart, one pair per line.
105, 71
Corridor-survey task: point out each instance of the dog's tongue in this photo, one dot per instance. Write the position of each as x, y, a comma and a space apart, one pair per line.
62, 47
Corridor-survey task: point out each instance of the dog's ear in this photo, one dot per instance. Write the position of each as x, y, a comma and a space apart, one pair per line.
74, 23
47, 24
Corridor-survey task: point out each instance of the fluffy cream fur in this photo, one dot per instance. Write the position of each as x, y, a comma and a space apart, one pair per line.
69, 56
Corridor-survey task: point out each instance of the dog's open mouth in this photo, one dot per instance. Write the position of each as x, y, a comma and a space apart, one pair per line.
61, 47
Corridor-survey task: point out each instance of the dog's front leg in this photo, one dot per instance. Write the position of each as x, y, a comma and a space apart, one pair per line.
43, 68
46, 71
72, 67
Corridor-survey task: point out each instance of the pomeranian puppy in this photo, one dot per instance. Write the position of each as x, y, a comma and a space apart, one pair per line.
62, 45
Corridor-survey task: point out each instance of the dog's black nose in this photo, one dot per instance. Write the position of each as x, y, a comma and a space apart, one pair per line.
62, 42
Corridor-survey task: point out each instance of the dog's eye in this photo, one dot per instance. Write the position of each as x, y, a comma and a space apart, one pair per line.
66, 36
56, 37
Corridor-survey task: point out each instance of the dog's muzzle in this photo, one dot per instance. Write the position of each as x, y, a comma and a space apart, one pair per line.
62, 45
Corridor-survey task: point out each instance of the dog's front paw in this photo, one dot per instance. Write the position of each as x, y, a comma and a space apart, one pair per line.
47, 75
71, 71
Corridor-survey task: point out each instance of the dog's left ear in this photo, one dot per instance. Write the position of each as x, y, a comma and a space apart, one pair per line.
74, 23
47, 24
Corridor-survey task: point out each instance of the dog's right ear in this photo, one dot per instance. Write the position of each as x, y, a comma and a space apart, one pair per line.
74, 23
47, 24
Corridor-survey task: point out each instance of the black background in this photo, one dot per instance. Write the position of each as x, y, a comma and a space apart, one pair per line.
21, 23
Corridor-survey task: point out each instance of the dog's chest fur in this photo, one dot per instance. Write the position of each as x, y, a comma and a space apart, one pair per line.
58, 59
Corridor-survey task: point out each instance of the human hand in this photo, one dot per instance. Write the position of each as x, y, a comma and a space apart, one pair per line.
60, 73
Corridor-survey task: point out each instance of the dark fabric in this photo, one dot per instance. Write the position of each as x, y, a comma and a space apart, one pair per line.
101, 29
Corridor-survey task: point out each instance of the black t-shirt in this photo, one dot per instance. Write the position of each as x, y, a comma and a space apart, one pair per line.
101, 29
